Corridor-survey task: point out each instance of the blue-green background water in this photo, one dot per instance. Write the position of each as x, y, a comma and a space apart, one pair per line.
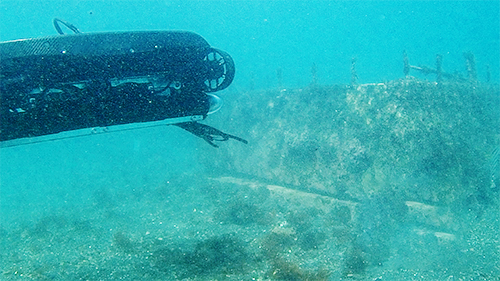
263, 36
144, 183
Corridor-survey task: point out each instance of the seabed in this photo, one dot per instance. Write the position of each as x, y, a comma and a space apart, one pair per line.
388, 181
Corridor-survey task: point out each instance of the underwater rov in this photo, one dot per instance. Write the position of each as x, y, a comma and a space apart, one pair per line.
86, 83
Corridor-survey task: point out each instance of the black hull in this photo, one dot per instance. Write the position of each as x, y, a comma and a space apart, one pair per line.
60, 83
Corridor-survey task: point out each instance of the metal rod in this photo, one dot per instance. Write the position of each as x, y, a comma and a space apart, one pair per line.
314, 73
406, 68
354, 76
439, 70
488, 74
471, 66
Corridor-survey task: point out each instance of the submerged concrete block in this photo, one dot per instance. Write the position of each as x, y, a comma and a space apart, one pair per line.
423, 141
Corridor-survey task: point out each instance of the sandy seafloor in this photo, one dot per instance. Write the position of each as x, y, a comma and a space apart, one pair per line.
200, 229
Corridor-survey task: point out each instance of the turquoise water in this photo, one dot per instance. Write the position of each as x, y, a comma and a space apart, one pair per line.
160, 204
292, 35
